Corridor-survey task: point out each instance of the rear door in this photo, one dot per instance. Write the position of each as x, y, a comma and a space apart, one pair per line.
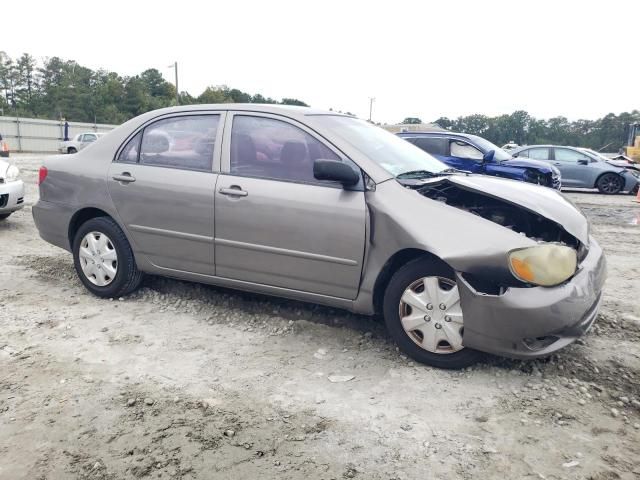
162, 185
275, 223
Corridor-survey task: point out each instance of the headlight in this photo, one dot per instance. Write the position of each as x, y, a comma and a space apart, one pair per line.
12, 173
544, 265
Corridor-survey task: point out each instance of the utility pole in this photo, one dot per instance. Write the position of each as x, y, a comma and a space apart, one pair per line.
371, 100
175, 68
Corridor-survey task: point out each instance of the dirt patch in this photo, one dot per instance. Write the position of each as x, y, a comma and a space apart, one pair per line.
188, 381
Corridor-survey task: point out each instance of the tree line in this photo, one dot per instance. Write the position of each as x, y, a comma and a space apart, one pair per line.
55, 88
605, 134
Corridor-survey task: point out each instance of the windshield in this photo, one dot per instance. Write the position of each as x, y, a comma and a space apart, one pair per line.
486, 145
395, 155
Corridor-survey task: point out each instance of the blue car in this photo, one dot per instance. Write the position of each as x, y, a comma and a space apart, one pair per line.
477, 155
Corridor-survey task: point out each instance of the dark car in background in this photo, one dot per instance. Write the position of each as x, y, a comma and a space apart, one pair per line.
582, 169
477, 155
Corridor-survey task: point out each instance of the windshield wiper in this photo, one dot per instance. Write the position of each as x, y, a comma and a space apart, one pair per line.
426, 173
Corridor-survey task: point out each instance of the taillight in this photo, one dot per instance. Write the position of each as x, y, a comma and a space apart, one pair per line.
42, 174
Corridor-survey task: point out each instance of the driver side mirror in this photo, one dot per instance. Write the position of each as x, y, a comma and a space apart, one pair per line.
488, 157
335, 171
582, 161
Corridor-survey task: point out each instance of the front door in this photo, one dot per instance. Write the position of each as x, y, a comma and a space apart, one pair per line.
163, 186
275, 224
574, 173
464, 156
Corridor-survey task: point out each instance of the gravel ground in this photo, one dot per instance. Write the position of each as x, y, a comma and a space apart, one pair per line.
189, 381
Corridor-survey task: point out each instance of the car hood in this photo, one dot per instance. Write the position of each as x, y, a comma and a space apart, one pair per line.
542, 200
521, 162
623, 164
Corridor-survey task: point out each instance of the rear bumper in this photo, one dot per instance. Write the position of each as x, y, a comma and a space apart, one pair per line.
534, 322
11, 196
52, 221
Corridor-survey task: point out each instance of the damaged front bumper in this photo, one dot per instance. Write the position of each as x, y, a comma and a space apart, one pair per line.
536, 321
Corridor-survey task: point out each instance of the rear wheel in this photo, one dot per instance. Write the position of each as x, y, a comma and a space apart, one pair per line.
4, 216
423, 314
104, 260
610, 184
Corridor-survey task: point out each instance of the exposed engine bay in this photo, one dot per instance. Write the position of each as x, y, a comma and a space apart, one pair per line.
511, 216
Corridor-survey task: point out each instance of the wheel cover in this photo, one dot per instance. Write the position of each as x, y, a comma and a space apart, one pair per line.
98, 259
431, 315
611, 184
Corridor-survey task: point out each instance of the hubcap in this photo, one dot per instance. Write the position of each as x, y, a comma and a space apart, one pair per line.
98, 259
437, 330
611, 184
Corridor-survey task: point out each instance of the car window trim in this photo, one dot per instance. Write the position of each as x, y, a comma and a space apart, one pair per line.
225, 160
217, 149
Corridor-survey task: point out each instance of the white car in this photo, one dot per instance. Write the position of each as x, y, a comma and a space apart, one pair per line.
78, 142
11, 189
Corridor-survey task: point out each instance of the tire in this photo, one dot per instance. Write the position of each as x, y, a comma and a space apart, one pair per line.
72, 150
127, 277
453, 356
4, 216
634, 190
610, 184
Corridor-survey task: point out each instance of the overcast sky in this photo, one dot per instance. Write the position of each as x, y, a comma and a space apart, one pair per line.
427, 59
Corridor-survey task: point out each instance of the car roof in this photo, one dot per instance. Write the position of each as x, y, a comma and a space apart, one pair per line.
522, 147
289, 110
439, 133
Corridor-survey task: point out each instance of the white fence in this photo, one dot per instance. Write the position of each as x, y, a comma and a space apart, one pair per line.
34, 135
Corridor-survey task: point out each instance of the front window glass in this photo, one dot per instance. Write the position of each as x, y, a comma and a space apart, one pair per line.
391, 152
269, 148
180, 142
570, 156
461, 149
485, 145
89, 137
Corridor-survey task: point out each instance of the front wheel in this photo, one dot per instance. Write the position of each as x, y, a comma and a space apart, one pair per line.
72, 150
423, 314
104, 260
610, 184
4, 216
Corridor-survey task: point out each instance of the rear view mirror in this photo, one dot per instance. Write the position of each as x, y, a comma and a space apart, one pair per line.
488, 157
335, 171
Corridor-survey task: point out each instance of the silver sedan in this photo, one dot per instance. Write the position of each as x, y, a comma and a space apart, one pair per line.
325, 208
582, 168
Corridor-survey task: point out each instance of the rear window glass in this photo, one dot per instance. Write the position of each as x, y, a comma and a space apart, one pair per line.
129, 154
180, 142
434, 146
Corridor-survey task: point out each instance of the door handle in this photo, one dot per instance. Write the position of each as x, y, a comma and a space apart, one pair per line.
124, 177
557, 163
233, 191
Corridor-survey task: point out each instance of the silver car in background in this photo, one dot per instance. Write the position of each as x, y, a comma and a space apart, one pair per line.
11, 189
79, 142
582, 169
325, 208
